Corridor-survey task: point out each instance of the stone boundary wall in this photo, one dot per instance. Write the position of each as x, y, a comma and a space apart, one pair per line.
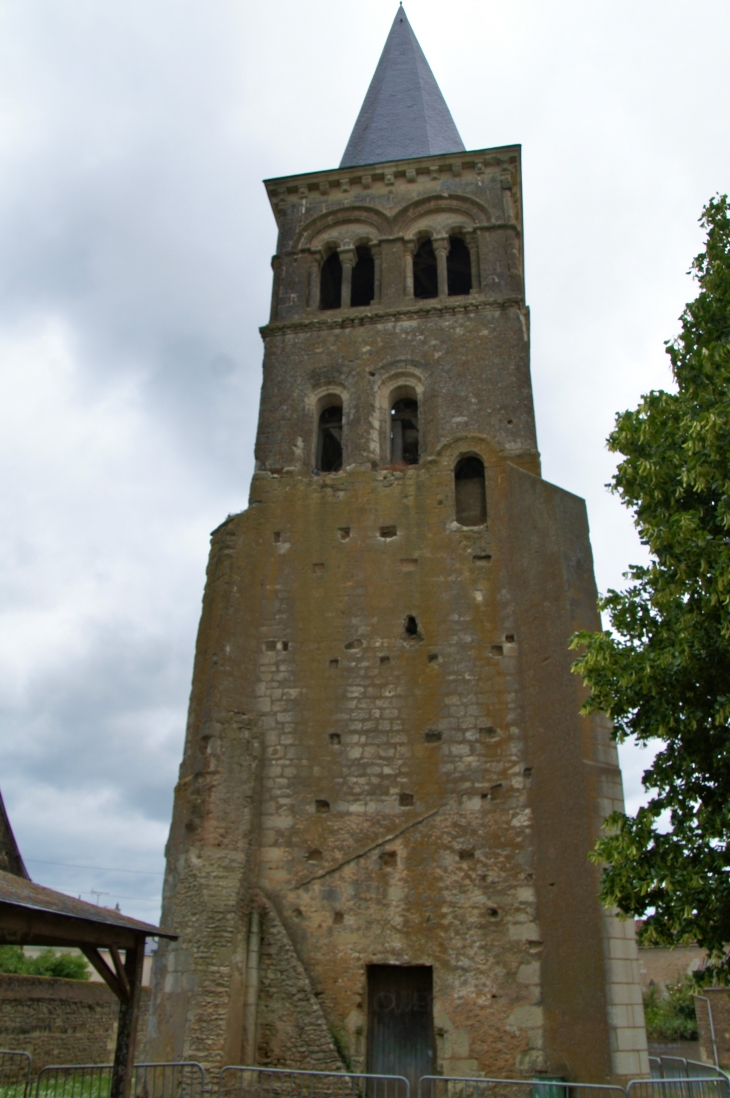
60, 1021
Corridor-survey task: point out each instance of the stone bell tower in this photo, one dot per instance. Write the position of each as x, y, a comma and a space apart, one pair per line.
378, 855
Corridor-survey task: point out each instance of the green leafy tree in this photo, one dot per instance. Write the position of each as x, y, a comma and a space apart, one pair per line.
663, 672
69, 966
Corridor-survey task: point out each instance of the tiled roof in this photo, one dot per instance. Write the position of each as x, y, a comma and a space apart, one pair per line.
404, 113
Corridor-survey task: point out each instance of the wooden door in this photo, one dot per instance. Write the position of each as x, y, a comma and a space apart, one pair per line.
400, 1021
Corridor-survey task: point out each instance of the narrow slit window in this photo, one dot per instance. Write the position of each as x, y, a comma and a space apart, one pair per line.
404, 432
471, 495
458, 267
329, 440
363, 278
330, 282
425, 271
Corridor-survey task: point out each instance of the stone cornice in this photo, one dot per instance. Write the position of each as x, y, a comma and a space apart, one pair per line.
358, 318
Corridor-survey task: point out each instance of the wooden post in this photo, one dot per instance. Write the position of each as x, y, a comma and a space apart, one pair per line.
128, 1018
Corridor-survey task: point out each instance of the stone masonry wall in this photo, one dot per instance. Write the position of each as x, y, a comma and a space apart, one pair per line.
61, 1021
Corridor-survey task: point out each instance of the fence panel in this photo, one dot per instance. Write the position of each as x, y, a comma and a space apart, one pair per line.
175, 1080
247, 1082
14, 1074
442, 1086
709, 1086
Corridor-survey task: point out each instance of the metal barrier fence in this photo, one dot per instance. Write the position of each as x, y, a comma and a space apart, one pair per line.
675, 1067
247, 1082
709, 1086
14, 1074
185, 1079
442, 1086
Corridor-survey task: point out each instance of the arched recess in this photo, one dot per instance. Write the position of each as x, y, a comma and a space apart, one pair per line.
470, 491
328, 436
353, 223
438, 215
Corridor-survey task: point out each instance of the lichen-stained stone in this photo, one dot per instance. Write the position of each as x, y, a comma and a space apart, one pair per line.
385, 763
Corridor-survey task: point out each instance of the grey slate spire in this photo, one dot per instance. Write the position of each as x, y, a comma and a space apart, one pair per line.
404, 113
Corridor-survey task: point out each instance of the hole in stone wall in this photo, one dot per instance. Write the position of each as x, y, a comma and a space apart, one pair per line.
338, 918
410, 626
385, 659
527, 772
297, 913
285, 646
458, 267
433, 657
470, 492
482, 558
329, 439
389, 859
509, 638
318, 568
353, 645
405, 800
493, 913
344, 532
433, 735
330, 282
488, 733
277, 536
314, 856
335, 738
425, 271
496, 792
466, 855
497, 650
363, 278
321, 806
388, 531
334, 664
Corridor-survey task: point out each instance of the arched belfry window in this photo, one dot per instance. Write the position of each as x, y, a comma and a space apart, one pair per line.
363, 277
470, 491
330, 282
329, 437
404, 431
458, 267
425, 271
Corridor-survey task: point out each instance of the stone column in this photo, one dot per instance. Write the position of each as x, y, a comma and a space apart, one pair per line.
441, 247
348, 258
378, 261
409, 248
313, 280
473, 245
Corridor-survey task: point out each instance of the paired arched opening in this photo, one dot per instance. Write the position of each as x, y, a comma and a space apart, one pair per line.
330, 282
458, 267
470, 491
404, 427
363, 278
357, 290
428, 279
328, 458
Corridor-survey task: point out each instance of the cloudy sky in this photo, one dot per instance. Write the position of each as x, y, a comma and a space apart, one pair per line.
135, 241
